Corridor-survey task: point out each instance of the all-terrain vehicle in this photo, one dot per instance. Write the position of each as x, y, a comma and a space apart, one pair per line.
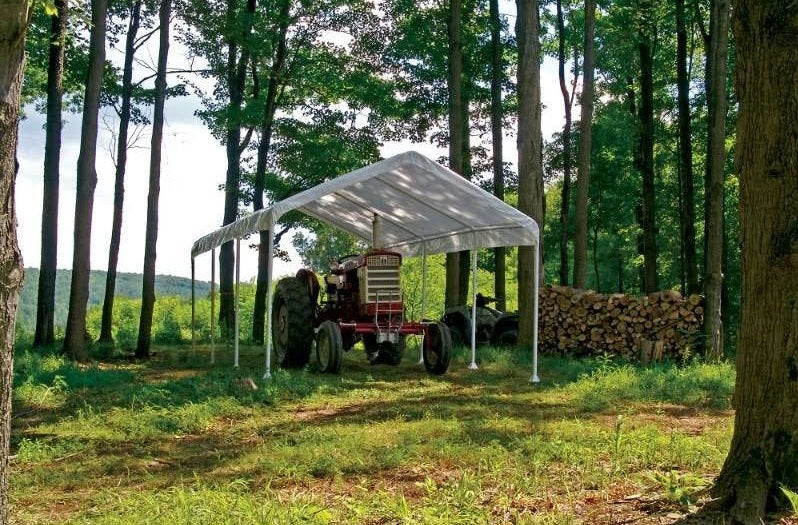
362, 302
493, 327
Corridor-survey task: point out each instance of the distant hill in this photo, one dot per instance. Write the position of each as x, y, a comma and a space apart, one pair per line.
127, 285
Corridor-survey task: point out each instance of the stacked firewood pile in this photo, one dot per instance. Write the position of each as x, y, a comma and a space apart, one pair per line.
579, 322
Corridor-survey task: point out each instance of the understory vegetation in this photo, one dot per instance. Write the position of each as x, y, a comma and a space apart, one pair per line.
177, 440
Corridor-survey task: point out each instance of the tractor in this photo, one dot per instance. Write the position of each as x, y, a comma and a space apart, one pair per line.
362, 301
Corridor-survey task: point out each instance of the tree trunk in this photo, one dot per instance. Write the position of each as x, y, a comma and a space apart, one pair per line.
585, 147
456, 125
496, 118
566, 147
151, 237
75, 338
236, 75
45, 304
121, 163
716, 160
646, 117
685, 155
14, 18
530, 158
764, 449
464, 273
275, 80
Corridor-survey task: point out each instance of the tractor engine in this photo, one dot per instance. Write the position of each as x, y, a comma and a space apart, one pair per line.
365, 288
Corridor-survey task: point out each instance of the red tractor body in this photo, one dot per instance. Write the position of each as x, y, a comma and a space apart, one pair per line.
362, 301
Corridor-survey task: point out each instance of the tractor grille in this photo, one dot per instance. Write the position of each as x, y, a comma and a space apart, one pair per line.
382, 279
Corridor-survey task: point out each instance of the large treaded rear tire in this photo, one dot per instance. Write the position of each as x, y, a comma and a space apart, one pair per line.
437, 349
292, 323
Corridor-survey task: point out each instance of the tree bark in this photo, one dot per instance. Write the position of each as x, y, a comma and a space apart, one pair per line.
14, 17
464, 274
151, 236
121, 163
716, 160
585, 147
236, 75
566, 148
275, 81
45, 303
685, 155
456, 125
530, 157
764, 448
646, 119
496, 118
75, 338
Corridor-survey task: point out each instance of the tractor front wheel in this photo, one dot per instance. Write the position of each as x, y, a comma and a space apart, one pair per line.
292, 323
437, 349
329, 348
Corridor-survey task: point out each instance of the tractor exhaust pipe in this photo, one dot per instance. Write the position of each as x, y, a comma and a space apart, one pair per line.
376, 232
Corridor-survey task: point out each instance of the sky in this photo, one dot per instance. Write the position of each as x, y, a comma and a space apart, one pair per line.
191, 204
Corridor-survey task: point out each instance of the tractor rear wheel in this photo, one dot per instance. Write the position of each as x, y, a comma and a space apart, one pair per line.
292, 323
437, 349
329, 348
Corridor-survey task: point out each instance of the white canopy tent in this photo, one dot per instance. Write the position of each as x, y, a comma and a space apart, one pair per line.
423, 208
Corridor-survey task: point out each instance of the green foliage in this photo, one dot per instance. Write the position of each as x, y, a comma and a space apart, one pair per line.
792, 497
681, 488
174, 440
698, 384
128, 285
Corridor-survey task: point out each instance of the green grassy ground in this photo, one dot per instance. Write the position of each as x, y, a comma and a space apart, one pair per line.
177, 441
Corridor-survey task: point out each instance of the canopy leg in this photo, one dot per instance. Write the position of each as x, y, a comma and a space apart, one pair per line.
423, 298
213, 306
535, 301
473, 365
237, 296
267, 374
193, 311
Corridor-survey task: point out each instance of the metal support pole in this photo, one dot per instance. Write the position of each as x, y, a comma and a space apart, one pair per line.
473, 365
237, 318
213, 306
535, 301
423, 298
193, 310
268, 373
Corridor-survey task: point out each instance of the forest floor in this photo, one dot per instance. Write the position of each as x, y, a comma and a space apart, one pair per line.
178, 441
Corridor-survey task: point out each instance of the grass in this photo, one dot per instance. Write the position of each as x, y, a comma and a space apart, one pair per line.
176, 440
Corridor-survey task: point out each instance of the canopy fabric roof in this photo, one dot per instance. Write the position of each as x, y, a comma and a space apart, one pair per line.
421, 204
